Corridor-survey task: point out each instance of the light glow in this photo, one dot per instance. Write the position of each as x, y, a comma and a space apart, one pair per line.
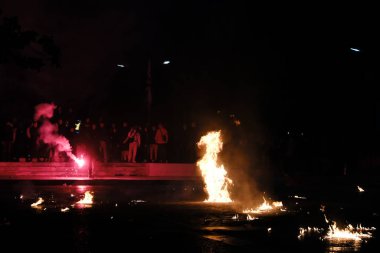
360, 189
355, 49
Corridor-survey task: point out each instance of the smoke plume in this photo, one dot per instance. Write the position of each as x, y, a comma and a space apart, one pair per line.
48, 132
44, 110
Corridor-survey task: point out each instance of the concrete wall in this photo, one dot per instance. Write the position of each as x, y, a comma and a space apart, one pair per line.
120, 171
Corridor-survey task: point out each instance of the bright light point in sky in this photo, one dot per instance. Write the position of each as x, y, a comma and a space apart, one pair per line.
121, 65
166, 62
354, 49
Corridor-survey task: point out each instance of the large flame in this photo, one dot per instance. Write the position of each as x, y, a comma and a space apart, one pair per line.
214, 176
87, 200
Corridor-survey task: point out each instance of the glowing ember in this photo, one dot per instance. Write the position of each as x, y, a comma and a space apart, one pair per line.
235, 217
214, 176
38, 202
298, 197
360, 189
138, 201
64, 210
87, 200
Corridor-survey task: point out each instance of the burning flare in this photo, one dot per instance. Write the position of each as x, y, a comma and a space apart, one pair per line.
214, 176
87, 200
79, 161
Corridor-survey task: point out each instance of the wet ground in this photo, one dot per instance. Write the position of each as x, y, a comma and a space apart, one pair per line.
170, 216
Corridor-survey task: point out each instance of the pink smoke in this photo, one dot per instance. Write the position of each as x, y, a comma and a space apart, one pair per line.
44, 110
49, 135
49, 132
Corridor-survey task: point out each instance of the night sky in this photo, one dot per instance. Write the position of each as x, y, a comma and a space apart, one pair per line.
276, 69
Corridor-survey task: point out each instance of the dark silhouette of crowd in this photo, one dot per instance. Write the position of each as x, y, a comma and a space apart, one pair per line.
286, 153
103, 141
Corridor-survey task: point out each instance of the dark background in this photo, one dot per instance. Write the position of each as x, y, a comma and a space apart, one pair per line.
286, 72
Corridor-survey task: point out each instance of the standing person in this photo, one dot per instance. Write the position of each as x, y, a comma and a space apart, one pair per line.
144, 136
124, 147
162, 139
114, 146
84, 138
32, 135
152, 144
103, 141
134, 141
8, 137
94, 142
21, 142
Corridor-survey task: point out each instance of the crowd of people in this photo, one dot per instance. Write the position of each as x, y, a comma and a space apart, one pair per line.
119, 141
102, 141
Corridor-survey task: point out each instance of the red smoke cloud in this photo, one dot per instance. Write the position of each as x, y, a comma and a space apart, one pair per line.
49, 132
44, 110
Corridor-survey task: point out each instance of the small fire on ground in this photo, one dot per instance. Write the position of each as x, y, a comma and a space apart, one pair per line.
87, 199
266, 207
334, 233
348, 233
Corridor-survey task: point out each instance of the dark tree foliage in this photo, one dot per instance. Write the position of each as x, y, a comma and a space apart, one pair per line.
26, 49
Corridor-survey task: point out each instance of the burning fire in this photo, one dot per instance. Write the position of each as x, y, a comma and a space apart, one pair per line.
348, 233
64, 210
215, 177
265, 207
87, 200
38, 202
